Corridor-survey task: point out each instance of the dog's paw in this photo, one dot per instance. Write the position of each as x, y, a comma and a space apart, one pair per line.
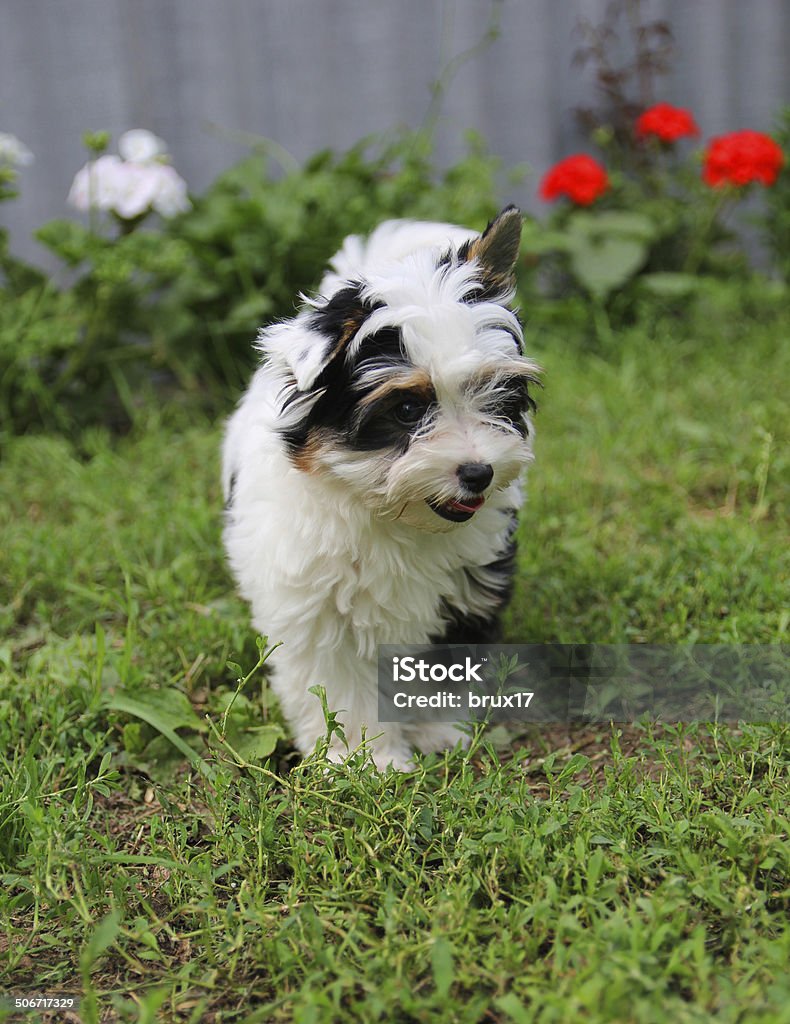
384, 759
438, 736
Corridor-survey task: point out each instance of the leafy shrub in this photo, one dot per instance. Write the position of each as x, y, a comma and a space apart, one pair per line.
80, 354
656, 226
178, 308
661, 220
173, 312
776, 222
254, 241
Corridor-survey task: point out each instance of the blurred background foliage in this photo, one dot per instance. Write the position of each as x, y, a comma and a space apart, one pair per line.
166, 310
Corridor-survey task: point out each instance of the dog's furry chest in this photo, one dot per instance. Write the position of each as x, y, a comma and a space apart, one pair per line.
344, 578
374, 588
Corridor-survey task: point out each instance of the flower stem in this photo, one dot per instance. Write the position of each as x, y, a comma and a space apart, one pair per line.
603, 325
701, 242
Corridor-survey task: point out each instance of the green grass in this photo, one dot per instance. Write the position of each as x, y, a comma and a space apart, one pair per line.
578, 874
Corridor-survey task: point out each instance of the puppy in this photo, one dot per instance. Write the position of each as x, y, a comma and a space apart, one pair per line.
372, 471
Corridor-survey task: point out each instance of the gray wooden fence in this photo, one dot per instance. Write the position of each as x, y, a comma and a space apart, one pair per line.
204, 74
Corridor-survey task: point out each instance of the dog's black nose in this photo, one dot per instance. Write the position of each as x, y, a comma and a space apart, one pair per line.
475, 476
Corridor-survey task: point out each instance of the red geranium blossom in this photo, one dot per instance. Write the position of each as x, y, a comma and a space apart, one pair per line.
666, 122
578, 177
741, 157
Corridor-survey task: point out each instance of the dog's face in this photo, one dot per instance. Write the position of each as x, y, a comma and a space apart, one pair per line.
409, 387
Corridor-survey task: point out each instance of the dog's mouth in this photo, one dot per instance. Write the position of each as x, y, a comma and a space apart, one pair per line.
458, 511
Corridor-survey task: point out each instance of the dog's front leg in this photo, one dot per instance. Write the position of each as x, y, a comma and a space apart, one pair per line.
350, 686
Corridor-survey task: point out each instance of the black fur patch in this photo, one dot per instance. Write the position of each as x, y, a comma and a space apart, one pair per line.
339, 407
231, 492
512, 402
483, 288
496, 251
380, 425
344, 307
481, 629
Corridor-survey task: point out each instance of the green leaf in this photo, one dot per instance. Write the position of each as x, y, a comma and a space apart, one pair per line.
164, 714
256, 743
159, 759
71, 241
514, 1008
603, 265
169, 706
623, 222
669, 285
541, 240
102, 937
611, 222
574, 766
443, 966
595, 867
133, 741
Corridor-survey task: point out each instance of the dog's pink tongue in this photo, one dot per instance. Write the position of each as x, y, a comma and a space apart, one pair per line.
467, 506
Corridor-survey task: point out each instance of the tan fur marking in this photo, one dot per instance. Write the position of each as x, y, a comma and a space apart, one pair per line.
496, 250
498, 282
350, 328
419, 381
513, 368
307, 458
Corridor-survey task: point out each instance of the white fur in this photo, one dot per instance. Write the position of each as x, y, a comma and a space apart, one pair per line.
349, 556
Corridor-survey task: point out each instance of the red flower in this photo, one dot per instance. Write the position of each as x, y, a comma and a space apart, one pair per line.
578, 177
666, 122
741, 157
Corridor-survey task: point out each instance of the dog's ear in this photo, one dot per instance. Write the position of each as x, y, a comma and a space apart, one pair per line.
314, 339
496, 250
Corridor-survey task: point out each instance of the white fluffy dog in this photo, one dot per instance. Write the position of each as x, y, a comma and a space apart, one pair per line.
372, 470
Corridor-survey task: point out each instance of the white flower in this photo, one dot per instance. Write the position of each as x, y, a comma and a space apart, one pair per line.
140, 146
171, 193
135, 190
14, 152
129, 188
96, 184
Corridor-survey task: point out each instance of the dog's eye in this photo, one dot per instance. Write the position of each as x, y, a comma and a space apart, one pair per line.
410, 411
512, 408
510, 404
